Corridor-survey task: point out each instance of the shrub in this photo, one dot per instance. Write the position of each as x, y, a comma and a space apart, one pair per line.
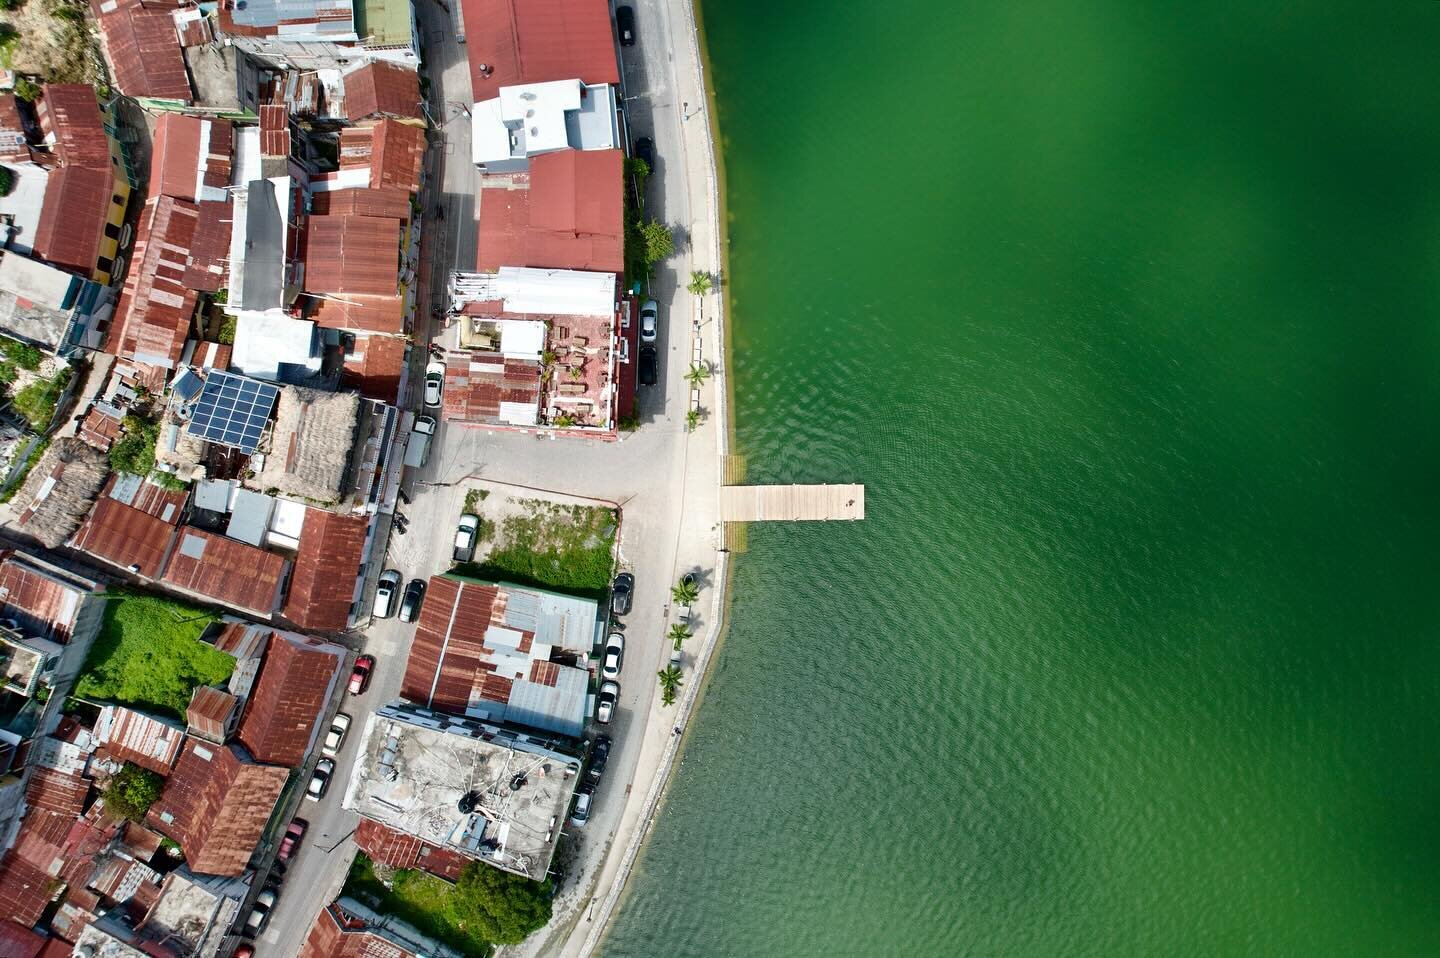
227, 331
132, 791
26, 88
21, 354
7, 181
36, 402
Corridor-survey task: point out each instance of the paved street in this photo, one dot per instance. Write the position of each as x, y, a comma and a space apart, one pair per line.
662, 477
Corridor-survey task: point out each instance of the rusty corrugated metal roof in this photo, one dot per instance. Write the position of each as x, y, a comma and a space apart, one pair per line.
571, 217
382, 89
352, 254
326, 565
125, 537
152, 317
143, 49
72, 217
70, 112
209, 713
288, 699
227, 571
391, 202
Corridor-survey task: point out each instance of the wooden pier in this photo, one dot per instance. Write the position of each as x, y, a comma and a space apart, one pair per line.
792, 503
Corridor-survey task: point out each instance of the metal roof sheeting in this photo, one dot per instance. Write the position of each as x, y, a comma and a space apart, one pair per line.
532, 41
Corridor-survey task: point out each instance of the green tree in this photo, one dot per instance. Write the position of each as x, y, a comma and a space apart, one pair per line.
678, 634
132, 791
692, 420
27, 89
684, 592
700, 283
637, 168
670, 682
134, 452
7, 181
697, 374
659, 242
226, 336
503, 908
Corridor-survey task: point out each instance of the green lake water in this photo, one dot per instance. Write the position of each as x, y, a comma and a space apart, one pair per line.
1126, 315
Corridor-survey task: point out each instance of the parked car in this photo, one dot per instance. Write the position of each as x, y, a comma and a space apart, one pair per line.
465, 535
260, 913
609, 696
244, 951
422, 434
386, 591
290, 841
410, 605
649, 321
581, 815
622, 592
644, 149
320, 779
339, 725
434, 383
360, 674
649, 366
599, 755
625, 25
614, 652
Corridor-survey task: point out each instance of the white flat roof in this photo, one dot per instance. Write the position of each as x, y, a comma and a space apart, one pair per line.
521, 338
23, 203
40, 283
544, 292
540, 108
266, 340
490, 140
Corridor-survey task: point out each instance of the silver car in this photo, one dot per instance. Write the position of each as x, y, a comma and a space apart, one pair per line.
649, 321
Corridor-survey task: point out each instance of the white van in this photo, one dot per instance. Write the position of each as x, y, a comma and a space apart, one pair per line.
417, 450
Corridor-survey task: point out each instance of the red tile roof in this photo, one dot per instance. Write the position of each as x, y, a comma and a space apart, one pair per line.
209, 712
477, 383
44, 605
125, 536
326, 564
70, 112
17, 941
382, 89
186, 151
24, 889
143, 50
152, 318
288, 699
132, 736
274, 130
375, 367
216, 804
394, 152
391, 202
533, 41
352, 254
72, 219
571, 217
227, 571
400, 850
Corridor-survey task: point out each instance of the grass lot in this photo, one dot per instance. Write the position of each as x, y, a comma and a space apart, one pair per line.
149, 654
551, 546
418, 899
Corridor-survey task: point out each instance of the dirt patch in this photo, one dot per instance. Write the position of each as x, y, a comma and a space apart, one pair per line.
56, 40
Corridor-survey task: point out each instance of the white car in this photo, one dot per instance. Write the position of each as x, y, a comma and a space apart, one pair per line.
614, 651
583, 798
434, 382
333, 738
465, 536
386, 591
649, 321
260, 914
609, 696
320, 780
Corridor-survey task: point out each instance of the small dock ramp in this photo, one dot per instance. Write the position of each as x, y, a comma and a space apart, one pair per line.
792, 503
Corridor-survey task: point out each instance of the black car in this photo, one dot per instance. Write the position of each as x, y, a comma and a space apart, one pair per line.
622, 590
625, 24
644, 149
410, 604
599, 755
649, 366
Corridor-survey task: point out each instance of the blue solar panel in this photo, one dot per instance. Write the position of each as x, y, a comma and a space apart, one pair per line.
233, 410
187, 385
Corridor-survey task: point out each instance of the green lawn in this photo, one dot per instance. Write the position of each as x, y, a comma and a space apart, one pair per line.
418, 899
149, 655
566, 548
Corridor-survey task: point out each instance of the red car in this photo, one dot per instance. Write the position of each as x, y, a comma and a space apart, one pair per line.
291, 840
360, 675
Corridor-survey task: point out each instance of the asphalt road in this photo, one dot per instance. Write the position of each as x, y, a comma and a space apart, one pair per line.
645, 473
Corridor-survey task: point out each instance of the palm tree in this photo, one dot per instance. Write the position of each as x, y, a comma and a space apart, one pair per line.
698, 373
692, 419
678, 634
670, 682
685, 592
700, 283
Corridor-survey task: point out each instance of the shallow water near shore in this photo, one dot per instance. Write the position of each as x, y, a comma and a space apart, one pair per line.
1126, 316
